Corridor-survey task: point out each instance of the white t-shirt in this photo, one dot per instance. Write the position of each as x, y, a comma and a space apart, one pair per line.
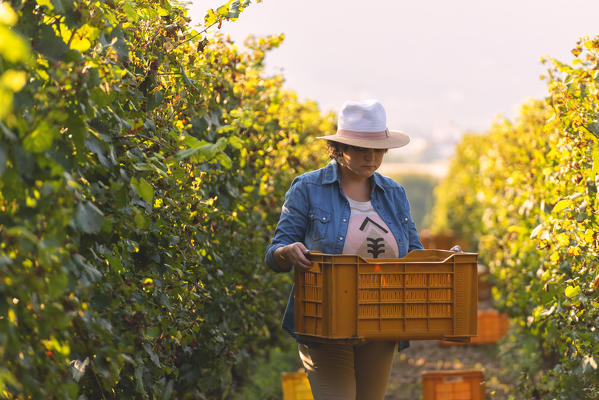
367, 234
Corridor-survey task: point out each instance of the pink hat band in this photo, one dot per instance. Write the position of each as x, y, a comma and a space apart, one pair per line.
363, 135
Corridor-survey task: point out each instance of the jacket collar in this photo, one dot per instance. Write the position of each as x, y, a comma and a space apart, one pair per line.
331, 174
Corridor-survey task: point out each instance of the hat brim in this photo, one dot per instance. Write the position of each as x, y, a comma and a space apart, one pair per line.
394, 140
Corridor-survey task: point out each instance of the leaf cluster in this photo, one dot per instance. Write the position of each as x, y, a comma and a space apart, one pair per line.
141, 167
528, 193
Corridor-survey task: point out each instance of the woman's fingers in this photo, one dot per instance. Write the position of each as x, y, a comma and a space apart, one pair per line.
298, 255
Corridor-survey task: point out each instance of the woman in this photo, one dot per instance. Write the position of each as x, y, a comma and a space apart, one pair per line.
346, 207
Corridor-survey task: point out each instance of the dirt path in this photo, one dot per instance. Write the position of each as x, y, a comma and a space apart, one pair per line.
405, 381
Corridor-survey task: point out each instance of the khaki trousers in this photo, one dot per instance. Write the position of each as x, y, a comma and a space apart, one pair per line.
348, 372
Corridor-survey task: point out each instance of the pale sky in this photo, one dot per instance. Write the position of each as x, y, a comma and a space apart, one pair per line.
439, 67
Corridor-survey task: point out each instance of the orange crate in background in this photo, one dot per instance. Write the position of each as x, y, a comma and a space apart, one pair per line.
453, 385
492, 326
296, 386
428, 294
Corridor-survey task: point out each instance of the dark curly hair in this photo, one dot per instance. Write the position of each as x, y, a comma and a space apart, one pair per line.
334, 149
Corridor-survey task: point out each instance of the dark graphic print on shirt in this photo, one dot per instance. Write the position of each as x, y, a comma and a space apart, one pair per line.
367, 234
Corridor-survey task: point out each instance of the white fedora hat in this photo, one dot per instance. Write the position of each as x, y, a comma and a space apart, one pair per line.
364, 124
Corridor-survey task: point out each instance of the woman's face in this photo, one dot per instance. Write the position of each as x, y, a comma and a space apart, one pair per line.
360, 161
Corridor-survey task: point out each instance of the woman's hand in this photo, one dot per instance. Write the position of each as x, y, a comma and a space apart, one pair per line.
293, 254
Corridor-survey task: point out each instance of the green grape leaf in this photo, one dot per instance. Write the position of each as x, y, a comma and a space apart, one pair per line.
154, 100
78, 130
236, 142
49, 44
88, 217
129, 10
144, 189
63, 6
201, 151
139, 372
41, 138
235, 8
148, 348
593, 127
225, 160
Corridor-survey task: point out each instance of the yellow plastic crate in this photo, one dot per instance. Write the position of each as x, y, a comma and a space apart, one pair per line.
428, 294
296, 386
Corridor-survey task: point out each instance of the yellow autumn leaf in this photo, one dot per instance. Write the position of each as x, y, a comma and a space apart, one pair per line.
12, 46
572, 291
589, 44
46, 3
12, 317
563, 240
588, 236
7, 15
54, 345
13, 80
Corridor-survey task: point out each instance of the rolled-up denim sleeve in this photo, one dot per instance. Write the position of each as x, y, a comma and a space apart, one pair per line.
292, 223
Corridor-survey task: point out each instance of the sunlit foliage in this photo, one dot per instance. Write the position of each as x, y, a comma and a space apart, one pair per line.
142, 163
530, 196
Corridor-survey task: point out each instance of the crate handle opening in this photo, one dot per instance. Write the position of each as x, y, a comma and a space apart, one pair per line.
453, 379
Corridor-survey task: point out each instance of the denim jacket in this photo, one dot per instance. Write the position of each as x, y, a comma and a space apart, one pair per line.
316, 213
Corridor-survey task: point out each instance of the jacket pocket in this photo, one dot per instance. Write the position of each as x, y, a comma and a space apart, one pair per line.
319, 223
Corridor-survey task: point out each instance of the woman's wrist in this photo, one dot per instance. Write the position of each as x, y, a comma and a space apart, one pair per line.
280, 258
